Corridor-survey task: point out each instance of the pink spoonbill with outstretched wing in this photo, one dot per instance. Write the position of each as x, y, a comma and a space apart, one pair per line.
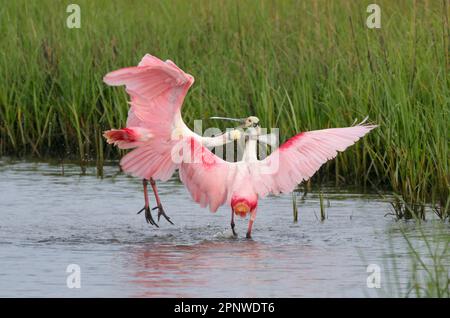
155, 127
157, 90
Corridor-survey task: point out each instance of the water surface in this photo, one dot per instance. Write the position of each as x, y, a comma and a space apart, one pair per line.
50, 220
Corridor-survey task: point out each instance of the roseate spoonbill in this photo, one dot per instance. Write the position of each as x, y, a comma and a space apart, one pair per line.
155, 128
157, 90
214, 182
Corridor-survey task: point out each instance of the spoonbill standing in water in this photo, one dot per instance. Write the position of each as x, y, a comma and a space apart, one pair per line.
155, 128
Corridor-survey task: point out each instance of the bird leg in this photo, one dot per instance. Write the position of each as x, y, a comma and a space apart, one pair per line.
232, 222
158, 202
146, 208
250, 223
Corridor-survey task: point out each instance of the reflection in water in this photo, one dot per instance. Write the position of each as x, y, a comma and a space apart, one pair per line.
233, 268
166, 270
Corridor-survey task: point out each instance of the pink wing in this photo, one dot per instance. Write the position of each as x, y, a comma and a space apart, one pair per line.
213, 181
208, 178
301, 156
157, 91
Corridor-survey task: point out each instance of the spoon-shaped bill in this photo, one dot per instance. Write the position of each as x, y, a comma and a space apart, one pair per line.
240, 120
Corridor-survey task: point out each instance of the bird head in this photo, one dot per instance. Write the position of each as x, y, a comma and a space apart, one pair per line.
251, 123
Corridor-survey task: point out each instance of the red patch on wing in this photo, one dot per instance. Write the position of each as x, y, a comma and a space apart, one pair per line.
125, 134
198, 151
290, 141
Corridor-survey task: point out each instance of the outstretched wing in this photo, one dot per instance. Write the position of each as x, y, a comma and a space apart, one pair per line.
212, 181
157, 90
301, 156
208, 178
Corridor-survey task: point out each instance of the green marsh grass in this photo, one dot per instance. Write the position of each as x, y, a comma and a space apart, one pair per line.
323, 215
297, 65
294, 207
430, 273
428, 258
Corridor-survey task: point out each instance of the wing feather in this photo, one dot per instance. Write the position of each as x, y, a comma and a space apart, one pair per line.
212, 181
157, 90
301, 156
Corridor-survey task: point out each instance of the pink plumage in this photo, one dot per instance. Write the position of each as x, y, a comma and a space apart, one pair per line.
157, 91
155, 128
293, 162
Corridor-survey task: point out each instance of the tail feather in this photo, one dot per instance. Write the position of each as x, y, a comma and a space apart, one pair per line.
127, 138
148, 161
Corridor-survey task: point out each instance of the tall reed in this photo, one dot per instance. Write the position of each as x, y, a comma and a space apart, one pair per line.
297, 65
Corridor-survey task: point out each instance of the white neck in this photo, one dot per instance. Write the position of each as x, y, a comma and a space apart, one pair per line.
250, 150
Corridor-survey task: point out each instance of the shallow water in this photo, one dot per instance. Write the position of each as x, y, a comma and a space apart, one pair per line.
50, 220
